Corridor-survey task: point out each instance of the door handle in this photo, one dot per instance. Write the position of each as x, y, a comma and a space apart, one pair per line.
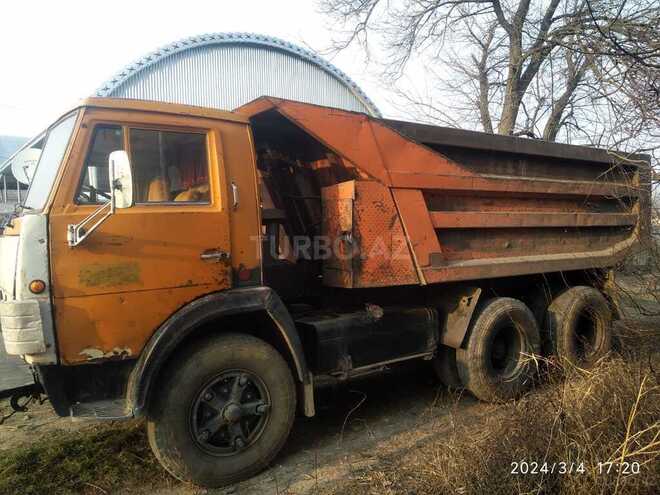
214, 255
234, 193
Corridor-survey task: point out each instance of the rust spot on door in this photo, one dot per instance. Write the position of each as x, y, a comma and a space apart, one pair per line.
102, 275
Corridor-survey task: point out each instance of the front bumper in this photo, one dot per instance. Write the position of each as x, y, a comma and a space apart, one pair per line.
22, 327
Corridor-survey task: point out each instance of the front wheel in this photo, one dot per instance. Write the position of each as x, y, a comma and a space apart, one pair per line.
224, 409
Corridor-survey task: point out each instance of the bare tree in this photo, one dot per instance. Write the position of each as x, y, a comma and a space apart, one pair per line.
551, 69
625, 34
628, 30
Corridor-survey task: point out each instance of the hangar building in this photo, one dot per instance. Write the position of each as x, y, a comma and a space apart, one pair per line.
222, 70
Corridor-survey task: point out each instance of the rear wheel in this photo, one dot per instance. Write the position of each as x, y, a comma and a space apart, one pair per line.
497, 361
579, 326
223, 410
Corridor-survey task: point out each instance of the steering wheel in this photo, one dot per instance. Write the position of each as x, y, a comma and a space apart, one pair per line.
91, 191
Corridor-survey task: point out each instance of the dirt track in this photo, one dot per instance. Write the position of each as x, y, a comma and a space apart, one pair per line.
381, 415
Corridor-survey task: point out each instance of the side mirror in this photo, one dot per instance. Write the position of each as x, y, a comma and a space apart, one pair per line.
121, 179
121, 196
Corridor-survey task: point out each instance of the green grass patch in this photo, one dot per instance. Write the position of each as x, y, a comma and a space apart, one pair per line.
107, 458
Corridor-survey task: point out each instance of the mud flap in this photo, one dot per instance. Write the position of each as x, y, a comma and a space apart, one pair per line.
459, 315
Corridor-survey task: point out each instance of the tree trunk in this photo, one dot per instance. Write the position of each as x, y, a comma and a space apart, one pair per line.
512, 96
576, 74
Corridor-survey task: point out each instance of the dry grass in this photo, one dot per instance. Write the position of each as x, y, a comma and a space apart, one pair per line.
608, 414
611, 413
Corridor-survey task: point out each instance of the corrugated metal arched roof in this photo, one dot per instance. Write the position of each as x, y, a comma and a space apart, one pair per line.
226, 70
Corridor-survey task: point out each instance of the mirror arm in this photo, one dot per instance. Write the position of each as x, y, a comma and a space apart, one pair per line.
76, 233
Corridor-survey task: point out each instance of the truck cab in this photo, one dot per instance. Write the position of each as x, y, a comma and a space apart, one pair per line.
169, 248
208, 269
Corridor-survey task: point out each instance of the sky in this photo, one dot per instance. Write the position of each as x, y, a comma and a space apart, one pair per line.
54, 53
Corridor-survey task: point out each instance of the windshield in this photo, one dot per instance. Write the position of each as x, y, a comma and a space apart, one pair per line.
52, 152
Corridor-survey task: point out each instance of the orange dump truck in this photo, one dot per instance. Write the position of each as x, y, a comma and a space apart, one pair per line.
209, 270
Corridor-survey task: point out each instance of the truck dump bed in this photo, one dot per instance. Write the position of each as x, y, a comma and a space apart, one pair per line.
447, 205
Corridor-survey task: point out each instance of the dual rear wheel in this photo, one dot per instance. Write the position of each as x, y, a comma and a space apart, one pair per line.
578, 326
498, 360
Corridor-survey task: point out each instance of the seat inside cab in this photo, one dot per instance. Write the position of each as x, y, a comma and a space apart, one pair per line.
169, 166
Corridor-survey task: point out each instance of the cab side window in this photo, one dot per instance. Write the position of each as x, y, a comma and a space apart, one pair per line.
95, 185
169, 166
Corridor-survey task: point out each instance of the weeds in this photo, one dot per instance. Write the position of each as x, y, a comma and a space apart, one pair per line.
568, 432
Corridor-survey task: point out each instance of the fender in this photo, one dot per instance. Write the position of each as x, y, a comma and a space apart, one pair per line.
186, 320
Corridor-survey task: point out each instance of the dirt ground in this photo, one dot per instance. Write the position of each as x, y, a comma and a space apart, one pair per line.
390, 414
385, 415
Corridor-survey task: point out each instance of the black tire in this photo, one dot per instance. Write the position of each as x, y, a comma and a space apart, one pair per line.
444, 365
496, 363
579, 326
235, 380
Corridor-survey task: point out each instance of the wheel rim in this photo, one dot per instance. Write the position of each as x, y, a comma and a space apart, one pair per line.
505, 349
230, 412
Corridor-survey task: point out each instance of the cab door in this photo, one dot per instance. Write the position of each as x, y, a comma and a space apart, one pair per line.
145, 262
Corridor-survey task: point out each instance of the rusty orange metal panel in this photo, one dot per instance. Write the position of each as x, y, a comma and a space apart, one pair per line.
369, 244
489, 220
397, 161
513, 185
348, 134
525, 197
256, 106
385, 257
148, 256
337, 221
474, 269
417, 223
369, 144
114, 326
467, 201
